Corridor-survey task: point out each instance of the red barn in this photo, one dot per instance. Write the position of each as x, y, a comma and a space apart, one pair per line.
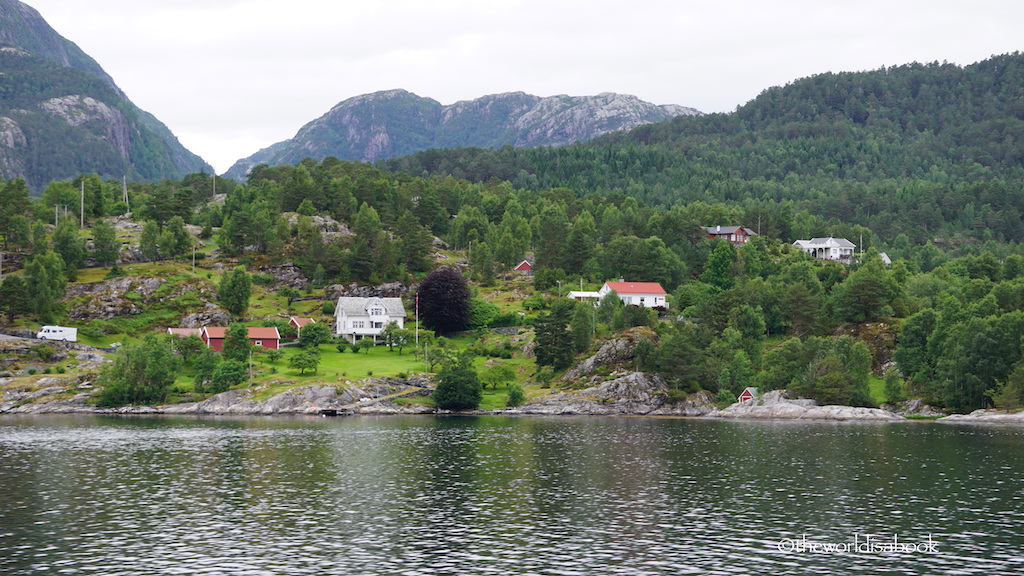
525, 267
268, 338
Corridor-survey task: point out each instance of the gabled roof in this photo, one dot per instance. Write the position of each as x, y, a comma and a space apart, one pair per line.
263, 333
354, 306
215, 332
300, 322
829, 242
524, 265
652, 288
728, 230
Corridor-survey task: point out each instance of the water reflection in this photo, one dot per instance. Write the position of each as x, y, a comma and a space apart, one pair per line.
481, 495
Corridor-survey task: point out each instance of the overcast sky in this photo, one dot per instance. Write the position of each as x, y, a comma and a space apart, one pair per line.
229, 77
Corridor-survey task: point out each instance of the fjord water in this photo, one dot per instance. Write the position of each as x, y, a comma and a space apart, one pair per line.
505, 495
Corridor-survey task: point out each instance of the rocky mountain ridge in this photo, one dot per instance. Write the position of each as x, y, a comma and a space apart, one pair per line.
61, 115
397, 123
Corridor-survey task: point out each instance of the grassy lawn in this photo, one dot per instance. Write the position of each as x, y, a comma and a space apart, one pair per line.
334, 365
877, 388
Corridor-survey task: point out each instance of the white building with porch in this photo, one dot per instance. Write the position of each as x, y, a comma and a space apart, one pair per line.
835, 249
356, 318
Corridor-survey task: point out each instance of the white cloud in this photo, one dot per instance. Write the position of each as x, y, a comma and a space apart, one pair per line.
232, 76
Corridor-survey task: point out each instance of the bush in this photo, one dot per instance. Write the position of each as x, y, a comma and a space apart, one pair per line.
506, 320
44, 351
515, 395
329, 307
535, 302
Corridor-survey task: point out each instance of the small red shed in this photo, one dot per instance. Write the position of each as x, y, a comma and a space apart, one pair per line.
747, 394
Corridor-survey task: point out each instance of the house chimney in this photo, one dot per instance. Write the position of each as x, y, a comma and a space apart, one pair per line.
718, 229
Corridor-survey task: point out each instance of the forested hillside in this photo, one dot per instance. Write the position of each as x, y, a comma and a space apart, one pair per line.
922, 162
930, 151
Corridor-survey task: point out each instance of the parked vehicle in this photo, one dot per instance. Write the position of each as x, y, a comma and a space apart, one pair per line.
58, 333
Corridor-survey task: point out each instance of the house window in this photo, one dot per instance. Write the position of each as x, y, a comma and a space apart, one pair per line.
358, 324
376, 324
258, 342
376, 312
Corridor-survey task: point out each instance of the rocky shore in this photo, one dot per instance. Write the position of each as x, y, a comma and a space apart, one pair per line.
775, 405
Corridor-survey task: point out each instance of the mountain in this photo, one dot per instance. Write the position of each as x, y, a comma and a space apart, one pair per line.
397, 123
62, 115
928, 150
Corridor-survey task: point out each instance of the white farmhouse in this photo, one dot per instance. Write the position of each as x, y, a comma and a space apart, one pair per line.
359, 317
644, 294
835, 249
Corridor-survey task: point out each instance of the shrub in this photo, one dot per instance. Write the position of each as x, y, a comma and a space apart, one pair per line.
535, 302
329, 307
515, 395
44, 352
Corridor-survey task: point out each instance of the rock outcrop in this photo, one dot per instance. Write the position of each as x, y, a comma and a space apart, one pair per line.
624, 393
775, 404
985, 416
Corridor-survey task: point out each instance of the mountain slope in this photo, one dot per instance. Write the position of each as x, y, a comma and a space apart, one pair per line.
397, 123
62, 115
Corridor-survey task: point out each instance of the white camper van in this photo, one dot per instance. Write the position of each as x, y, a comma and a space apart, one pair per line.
58, 333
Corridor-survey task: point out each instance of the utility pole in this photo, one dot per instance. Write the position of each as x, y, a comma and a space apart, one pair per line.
81, 211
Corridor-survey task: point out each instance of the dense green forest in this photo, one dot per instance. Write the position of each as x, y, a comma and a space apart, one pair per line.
932, 151
920, 161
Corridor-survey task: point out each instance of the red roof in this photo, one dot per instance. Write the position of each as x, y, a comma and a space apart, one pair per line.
637, 288
261, 333
257, 332
300, 322
215, 331
524, 265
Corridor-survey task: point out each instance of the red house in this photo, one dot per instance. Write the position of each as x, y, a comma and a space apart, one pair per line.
525, 267
268, 338
300, 322
747, 394
738, 235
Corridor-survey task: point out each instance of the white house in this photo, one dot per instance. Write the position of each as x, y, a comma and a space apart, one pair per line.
835, 249
646, 294
359, 317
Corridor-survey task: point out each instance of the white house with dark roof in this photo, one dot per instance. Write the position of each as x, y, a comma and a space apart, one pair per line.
835, 249
356, 318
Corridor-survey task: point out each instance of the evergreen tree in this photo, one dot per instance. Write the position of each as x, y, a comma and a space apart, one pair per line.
45, 280
554, 343
13, 297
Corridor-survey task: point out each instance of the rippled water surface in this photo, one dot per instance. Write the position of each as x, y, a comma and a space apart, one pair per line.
493, 495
